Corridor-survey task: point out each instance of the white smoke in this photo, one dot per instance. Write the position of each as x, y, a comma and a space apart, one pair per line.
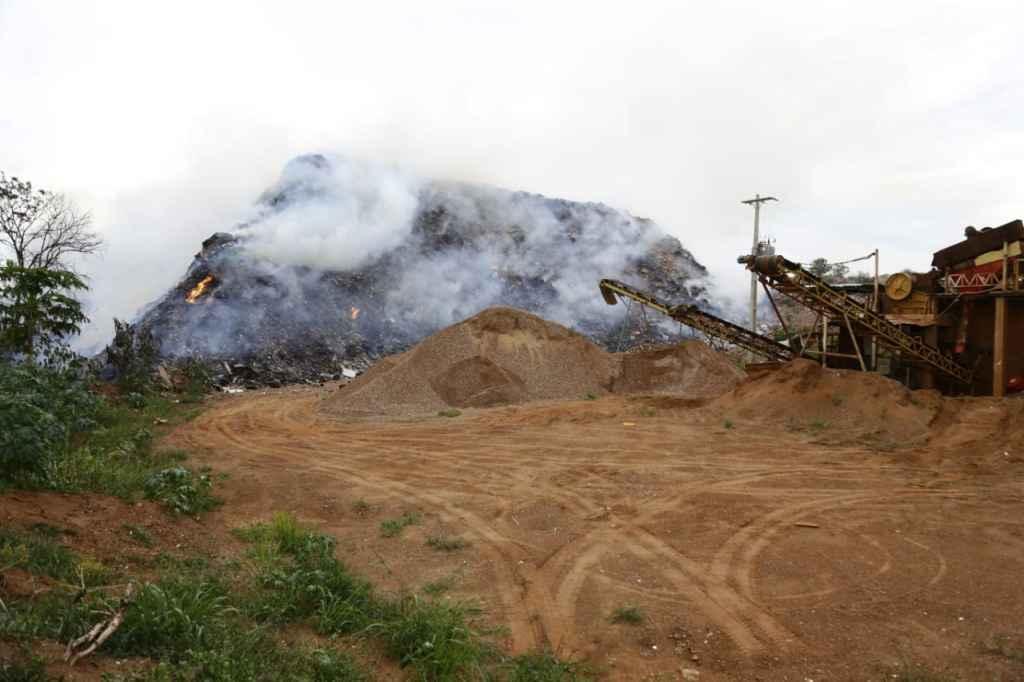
340, 213
418, 255
567, 246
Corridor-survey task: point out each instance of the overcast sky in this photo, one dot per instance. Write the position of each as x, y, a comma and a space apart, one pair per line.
888, 124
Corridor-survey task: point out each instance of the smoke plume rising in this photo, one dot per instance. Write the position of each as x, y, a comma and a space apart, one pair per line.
413, 255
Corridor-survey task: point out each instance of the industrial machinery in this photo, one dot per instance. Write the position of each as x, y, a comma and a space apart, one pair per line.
794, 281
694, 317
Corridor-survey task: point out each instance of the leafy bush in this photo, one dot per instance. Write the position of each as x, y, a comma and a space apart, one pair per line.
181, 490
40, 409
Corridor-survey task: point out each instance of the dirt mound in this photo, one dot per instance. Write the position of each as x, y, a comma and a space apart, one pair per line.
503, 356
500, 356
690, 368
840, 404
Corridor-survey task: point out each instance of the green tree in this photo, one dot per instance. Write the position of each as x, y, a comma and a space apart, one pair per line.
38, 310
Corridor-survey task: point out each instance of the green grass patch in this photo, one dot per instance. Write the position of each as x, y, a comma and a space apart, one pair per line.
728, 424
543, 667
361, 507
210, 619
449, 413
446, 543
39, 553
628, 615
390, 528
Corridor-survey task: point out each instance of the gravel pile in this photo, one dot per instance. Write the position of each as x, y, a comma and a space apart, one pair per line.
690, 369
504, 355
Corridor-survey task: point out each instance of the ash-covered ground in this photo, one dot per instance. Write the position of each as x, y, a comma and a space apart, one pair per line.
344, 262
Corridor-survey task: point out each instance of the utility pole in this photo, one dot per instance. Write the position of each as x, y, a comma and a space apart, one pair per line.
756, 202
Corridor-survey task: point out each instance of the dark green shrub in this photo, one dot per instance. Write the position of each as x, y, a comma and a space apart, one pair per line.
40, 409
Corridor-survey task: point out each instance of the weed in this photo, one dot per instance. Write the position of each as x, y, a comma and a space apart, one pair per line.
911, 672
361, 507
1004, 646
727, 424
446, 543
139, 534
390, 528
53, 615
435, 588
819, 425
433, 637
172, 617
26, 668
181, 490
91, 573
590, 396
542, 667
47, 530
449, 413
37, 554
630, 615
299, 578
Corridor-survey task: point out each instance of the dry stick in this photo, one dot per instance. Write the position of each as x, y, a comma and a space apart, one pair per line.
100, 632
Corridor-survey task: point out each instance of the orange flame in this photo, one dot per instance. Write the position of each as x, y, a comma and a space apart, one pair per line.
199, 289
353, 313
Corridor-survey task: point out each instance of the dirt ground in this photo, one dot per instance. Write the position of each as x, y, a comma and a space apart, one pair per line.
755, 549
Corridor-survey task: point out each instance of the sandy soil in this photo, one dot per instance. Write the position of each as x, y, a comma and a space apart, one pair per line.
757, 549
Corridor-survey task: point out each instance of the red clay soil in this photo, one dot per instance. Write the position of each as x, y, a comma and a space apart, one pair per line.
754, 550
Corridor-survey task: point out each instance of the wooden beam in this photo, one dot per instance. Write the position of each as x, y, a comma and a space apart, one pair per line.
999, 350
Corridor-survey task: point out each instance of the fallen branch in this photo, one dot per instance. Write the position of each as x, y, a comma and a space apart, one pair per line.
100, 632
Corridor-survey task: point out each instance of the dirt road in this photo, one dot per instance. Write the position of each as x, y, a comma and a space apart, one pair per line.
752, 552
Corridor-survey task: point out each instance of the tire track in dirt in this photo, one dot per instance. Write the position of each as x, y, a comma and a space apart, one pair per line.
552, 580
456, 468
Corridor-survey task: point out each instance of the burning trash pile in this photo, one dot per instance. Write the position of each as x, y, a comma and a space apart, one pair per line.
342, 263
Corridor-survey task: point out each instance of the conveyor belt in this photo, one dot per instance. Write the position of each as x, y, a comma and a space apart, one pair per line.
791, 279
694, 317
